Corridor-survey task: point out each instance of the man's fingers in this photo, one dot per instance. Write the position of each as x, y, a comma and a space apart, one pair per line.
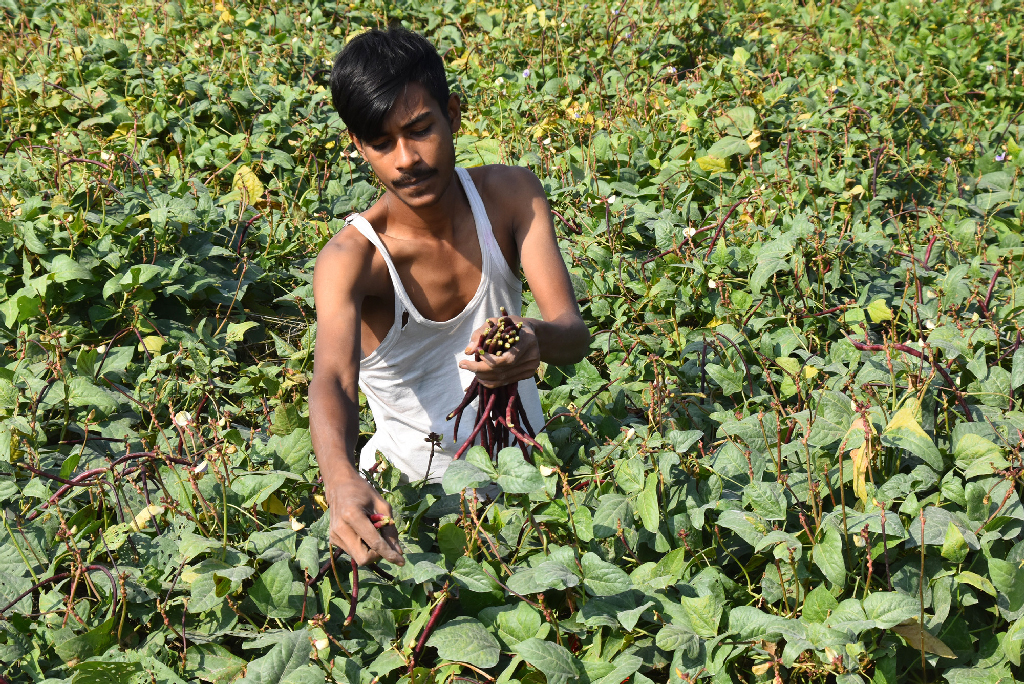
351, 543
371, 537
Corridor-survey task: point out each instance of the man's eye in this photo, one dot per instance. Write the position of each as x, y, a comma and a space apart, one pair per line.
421, 132
379, 146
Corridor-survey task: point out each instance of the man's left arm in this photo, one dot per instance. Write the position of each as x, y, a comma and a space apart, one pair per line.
560, 336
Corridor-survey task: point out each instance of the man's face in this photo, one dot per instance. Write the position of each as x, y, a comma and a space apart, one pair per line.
414, 157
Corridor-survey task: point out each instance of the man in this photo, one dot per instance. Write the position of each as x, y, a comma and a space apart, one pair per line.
402, 288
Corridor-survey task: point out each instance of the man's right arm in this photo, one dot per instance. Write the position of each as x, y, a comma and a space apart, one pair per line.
340, 269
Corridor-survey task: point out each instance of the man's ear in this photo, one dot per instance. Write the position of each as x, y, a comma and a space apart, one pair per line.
454, 113
358, 143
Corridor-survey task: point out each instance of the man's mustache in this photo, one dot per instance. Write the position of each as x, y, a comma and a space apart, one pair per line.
411, 179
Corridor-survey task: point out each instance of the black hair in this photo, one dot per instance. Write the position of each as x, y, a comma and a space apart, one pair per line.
371, 71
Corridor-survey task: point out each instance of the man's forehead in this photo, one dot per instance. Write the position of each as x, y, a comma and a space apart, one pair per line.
414, 102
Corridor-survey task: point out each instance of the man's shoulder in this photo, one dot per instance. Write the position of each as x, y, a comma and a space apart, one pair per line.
347, 255
504, 183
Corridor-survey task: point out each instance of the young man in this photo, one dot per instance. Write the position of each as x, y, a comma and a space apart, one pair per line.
402, 288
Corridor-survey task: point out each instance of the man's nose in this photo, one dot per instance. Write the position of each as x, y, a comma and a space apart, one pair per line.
407, 156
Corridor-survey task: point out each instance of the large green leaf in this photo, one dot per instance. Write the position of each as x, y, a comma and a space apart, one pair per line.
553, 661
466, 640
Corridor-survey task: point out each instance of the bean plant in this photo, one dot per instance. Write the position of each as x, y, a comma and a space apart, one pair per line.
793, 453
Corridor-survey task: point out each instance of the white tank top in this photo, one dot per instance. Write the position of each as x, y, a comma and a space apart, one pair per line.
412, 381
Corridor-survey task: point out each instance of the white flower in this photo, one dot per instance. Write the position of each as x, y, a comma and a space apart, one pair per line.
611, 199
547, 141
182, 418
526, 73
101, 349
929, 323
562, 25
295, 40
309, 19
321, 644
499, 81
104, 156
990, 68
201, 467
690, 231
712, 284
671, 70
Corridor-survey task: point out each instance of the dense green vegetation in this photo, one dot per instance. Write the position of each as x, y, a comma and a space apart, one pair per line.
793, 454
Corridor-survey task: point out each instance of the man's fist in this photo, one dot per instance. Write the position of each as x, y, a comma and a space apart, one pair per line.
519, 362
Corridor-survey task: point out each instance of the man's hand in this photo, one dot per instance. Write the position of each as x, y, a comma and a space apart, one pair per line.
519, 362
351, 503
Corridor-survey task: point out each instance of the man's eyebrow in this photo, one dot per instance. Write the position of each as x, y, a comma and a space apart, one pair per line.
417, 119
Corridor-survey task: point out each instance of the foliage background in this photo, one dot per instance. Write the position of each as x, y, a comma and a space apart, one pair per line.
793, 454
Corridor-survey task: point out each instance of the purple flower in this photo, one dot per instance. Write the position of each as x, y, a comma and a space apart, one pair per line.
1001, 156
948, 160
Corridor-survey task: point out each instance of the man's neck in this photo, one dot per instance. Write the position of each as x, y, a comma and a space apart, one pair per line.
434, 221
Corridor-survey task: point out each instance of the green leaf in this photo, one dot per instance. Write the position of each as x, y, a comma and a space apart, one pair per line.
731, 381
889, 608
773, 257
1008, 578
601, 578
96, 672
1017, 372
461, 475
612, 511
79, 647
553, 661
818, 604
647, 504
256, 487
66, 269
954, 547
276, 593
705, 613
470, 574
515, 624
728, 146
466, 640
676, 636
828, 556
236, 331
515, 475
290, 652
768, 499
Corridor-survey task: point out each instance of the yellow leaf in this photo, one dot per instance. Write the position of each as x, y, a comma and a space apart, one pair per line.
246, 182
879, 311
804, 117
860, 459
274, 506
712, 164
754, 140
146, 514
919, 639
907, 418
320, 501
153, 344
226, 18
810, 372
